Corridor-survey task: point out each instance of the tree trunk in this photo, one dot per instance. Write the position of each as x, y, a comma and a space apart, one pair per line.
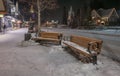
39, 20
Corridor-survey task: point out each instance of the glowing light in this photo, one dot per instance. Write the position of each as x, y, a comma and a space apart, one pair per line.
1, 15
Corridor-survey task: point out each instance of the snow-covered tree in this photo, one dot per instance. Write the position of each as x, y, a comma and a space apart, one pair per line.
39, 5
45, 4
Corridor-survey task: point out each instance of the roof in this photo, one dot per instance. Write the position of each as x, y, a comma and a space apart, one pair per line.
95, 14
106, 12
103, 12
2, 7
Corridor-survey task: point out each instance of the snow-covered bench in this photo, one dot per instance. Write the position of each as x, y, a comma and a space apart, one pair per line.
86, 49
47, 37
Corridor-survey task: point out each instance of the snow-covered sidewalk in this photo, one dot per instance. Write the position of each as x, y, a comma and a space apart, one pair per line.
38, 60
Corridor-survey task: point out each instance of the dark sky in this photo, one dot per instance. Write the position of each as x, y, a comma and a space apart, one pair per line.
96, 4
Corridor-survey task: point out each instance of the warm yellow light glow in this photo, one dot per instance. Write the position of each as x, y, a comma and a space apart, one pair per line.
98, 21
1, 15
31, 9
93, 17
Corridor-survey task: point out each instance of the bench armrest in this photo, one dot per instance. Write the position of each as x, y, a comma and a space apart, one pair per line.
94, 47
60, 36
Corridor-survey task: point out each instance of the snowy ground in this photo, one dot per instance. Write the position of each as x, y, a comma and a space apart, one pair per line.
104, 31
36, 60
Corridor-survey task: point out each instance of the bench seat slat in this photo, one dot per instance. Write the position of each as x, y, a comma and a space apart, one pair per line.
48, 37
42, 38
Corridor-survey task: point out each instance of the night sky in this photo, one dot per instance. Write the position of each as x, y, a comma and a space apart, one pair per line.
78, 4
94, 4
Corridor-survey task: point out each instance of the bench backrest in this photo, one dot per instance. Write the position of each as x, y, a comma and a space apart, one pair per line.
85, 42
53, 35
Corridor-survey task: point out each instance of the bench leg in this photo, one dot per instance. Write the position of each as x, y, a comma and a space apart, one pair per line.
59, 42
94, 57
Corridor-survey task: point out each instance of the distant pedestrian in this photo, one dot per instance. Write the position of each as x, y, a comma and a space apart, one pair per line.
4, 28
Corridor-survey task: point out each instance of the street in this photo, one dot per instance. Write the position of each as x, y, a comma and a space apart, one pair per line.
37, 60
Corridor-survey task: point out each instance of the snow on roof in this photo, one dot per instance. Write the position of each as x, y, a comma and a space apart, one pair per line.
104, 13
95, 14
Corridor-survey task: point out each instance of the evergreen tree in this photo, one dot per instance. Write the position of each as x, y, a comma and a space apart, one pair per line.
64, 15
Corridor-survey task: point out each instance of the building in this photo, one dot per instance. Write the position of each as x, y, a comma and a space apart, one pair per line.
2, 8
104, 16
2, 11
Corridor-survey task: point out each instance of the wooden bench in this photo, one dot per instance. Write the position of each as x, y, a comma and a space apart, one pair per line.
86, 49
48, 37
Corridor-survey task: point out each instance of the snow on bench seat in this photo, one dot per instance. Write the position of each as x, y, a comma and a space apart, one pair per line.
76, 46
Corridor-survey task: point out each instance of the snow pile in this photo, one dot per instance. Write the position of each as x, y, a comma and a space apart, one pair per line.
61, 65
27, 43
